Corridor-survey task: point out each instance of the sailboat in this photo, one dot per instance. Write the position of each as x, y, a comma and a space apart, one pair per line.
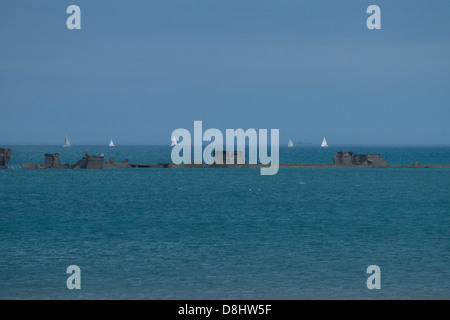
111, 144
324, 143
174, 141
290, 144
66, 142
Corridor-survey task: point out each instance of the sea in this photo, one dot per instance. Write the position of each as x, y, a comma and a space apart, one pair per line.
163, 234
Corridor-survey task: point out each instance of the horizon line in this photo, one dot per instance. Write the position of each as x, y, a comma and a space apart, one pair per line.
205, 144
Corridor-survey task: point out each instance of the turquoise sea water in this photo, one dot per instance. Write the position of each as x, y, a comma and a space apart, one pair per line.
225, 233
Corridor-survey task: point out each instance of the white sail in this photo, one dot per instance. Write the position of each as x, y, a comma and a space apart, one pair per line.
111, 143
174, 141
290, 144
324, 143
66, 142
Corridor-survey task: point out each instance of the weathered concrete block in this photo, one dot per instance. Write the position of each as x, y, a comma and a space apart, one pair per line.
90, 162
349, 159
5, 156
228, 157
52, 160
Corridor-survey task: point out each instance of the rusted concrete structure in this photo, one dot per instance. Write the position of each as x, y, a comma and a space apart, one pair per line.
110, 164
343, 159
227, 159
5, 156
349, 159
89, 162
52, 162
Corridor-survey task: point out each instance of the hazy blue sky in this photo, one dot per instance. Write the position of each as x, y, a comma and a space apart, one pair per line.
137, 70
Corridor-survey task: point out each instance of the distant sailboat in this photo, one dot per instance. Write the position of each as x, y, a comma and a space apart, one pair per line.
290, 144
324, 143
174, 141
111, 144
66, 142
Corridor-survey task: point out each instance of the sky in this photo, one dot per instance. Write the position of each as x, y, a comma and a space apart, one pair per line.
137, 70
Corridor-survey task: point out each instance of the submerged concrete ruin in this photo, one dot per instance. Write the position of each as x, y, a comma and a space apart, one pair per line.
87, 162
343, 159
5, 156
349, 159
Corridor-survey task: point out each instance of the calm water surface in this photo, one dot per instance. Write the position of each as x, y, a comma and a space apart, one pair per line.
225, 233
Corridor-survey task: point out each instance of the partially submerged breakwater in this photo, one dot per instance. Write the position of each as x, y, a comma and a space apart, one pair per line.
86, 162
343, 159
